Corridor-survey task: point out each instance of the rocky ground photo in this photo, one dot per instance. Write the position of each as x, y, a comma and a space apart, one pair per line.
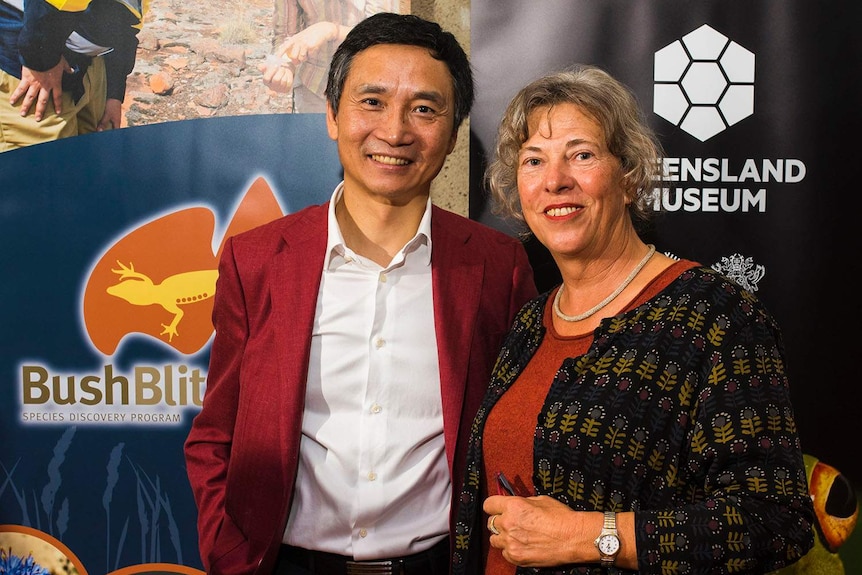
199, 60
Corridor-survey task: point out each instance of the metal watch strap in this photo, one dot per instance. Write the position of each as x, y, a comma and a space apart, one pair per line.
609, 527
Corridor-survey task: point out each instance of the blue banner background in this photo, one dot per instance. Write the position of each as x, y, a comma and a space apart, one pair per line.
63, 204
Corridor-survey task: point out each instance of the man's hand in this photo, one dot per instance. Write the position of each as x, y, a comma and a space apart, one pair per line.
309, 40
277, 74
112, 117
39, 88
278, 70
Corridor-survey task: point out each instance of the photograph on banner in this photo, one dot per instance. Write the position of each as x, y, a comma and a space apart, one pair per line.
73, 68
28, 551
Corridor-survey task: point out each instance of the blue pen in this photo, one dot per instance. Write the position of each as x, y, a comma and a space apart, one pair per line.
504, 484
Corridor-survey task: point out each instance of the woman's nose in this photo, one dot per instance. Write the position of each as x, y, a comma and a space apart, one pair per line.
558, 177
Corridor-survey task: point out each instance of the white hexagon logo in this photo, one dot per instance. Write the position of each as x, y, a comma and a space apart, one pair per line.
704, 83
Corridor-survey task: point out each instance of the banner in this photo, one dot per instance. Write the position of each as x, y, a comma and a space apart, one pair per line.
752, 102
111, 245
112, 242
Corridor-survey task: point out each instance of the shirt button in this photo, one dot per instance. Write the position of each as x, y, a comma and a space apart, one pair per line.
363, 532
379, 342
372, 476
376, 408
383, 278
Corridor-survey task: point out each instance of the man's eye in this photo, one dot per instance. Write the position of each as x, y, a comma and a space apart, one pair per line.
583, 155
424, 109
372, 101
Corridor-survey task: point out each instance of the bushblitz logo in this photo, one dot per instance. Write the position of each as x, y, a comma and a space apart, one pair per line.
160, 278
148, 394
156, 282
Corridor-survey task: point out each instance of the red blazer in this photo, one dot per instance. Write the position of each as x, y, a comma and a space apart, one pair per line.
243, 447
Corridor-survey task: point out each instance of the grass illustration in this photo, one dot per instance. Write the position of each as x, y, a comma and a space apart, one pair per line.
48, 510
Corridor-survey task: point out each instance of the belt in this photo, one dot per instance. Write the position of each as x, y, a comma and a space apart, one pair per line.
434, 561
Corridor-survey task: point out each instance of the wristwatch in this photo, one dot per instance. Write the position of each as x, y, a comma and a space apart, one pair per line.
608, 542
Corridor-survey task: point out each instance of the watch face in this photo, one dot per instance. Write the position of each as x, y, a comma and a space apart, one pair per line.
609, 544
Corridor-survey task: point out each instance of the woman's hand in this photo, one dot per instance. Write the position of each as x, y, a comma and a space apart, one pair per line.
536, 531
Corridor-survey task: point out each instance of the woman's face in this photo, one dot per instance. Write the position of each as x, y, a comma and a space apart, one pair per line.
570, 185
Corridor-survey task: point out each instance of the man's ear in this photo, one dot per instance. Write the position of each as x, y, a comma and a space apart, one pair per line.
331, 122
452, 141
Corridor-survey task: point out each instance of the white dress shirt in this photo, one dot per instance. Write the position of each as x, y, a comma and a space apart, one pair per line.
373, 481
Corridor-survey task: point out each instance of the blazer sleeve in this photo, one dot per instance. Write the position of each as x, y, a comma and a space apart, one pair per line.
208, 445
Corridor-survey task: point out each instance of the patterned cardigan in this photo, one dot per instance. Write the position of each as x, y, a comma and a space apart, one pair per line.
680, 411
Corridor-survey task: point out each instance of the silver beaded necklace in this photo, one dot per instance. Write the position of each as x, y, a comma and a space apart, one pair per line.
608, 299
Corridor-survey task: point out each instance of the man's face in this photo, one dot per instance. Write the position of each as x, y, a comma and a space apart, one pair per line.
395, 122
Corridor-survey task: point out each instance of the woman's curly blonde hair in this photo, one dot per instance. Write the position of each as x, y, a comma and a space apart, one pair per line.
608, 101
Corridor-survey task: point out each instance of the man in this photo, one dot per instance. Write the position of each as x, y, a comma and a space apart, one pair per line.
63, 66
355, 339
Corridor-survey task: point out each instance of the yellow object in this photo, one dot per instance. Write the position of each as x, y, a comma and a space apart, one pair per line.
69, 5
833, 527
137, 7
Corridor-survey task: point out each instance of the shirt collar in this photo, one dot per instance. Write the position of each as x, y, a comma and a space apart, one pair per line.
335, 246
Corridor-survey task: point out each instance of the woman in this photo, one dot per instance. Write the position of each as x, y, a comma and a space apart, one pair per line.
644, 386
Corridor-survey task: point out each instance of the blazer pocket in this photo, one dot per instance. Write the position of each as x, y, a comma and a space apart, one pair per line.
230, 554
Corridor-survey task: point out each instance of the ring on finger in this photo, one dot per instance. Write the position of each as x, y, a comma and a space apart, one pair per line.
491, 526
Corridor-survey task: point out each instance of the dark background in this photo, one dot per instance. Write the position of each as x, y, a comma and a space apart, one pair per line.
807, 62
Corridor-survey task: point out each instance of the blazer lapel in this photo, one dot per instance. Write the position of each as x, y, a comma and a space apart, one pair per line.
457, 284
295, 283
